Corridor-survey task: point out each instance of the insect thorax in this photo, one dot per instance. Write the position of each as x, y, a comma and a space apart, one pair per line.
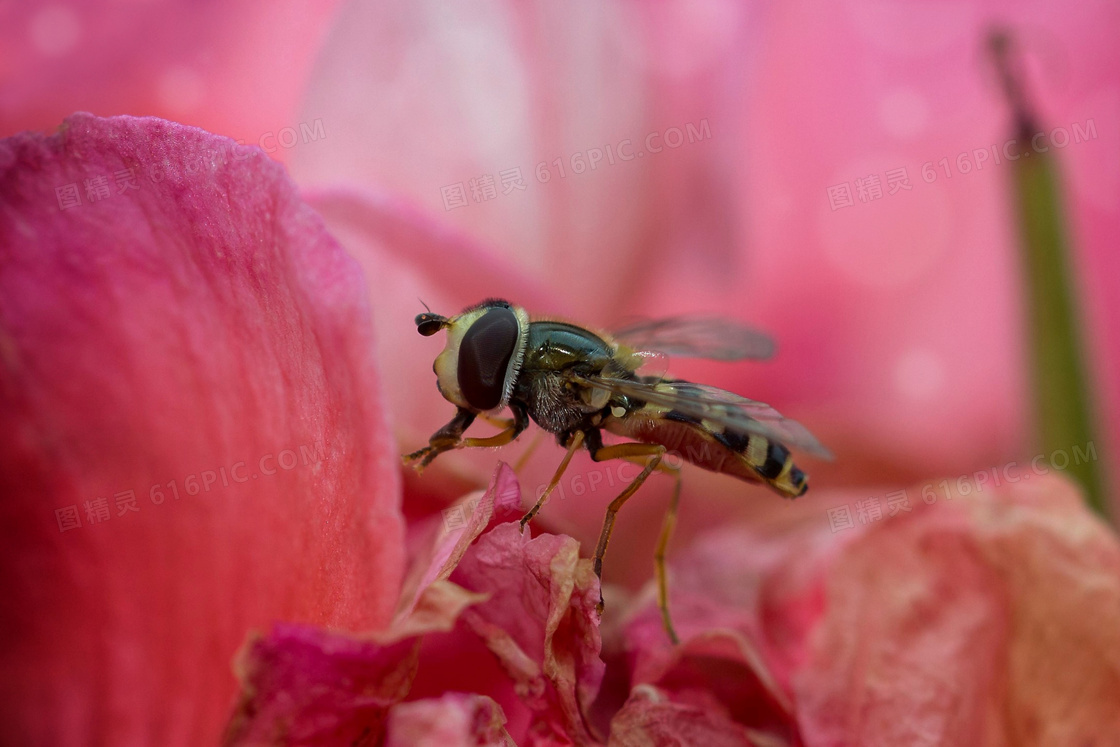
555, 350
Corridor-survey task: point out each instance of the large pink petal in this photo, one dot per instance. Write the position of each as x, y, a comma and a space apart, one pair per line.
201, 342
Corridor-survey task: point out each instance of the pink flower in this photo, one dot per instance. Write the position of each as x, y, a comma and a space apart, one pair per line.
189, 364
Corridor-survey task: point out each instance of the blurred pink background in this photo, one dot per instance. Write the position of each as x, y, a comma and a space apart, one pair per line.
897, 314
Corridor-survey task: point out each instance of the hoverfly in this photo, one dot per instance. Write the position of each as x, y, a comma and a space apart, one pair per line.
576, 383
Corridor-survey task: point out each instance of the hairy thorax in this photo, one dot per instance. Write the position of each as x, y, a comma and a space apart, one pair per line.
553, 402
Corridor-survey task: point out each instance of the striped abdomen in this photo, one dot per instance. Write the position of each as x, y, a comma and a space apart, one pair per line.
707, 443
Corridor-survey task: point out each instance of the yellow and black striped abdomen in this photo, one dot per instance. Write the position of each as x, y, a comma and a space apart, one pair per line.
709, 444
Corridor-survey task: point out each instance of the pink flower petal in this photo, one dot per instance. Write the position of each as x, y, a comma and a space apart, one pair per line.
448, 541
188, 338
650, 719
720, 671
319, 688
988, 619
764, 584
454, 720
540, 621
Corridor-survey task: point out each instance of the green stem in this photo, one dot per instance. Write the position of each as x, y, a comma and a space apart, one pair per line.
1063, 401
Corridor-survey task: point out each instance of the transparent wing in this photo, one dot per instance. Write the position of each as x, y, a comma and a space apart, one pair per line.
709, 403
698, 337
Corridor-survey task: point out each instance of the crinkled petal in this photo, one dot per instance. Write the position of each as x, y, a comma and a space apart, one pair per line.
304, 685
193, 442
460, 660
989, 619
320, 687
457, 527
454, 720
540, 621
650, 719
719, 670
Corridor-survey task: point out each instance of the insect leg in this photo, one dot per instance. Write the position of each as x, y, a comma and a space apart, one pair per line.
622, 451
513, 428
445, 439
502, 423
573, 447
498, 439
450, 437
667, 526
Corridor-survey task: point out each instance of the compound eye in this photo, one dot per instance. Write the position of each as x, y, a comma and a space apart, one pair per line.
484, 356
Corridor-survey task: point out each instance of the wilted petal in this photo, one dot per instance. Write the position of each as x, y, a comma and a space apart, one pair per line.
189, 338
650, 719
321, 687
990, 619
303, 685
448, 538
454, 720
540, 621
719, 670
